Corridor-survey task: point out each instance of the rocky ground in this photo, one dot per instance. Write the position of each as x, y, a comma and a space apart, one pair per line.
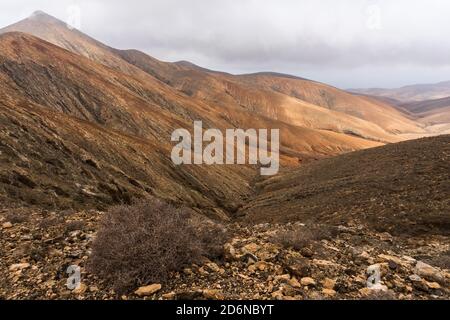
38, 246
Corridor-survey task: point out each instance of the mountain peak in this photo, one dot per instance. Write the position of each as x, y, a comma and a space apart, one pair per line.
38, 13
43, 16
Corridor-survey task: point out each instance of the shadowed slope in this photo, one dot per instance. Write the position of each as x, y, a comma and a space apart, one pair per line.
399, 188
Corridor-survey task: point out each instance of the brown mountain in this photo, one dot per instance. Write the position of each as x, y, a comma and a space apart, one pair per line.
85, 124
77, 133
292, 100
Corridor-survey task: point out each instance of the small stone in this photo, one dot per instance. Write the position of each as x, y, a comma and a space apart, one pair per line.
229, 252
212, 294
251, 248
364, 255
251, 268
282, 278
329, 292
365, 291
278, 295
385, 236
415, 278
307, 252
294, 283
328, 283
19, 266
300, 269
409, 260
289, 290
169, 296
392, 265
7, 225
213, 267
249, 258
148, 290
426, 271
433, 285
378, 287
80, 289
307, 281
261, 266
93, 289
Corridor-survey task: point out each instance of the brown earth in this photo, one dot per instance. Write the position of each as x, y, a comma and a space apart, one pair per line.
37, 250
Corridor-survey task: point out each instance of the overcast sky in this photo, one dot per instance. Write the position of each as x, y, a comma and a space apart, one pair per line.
346, 43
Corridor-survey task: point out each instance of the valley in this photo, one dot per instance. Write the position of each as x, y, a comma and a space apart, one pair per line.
364, 174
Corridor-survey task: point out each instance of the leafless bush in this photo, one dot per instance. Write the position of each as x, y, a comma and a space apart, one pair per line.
212, 237
142, 243
301, 236
75, 225
17, 217
49, 222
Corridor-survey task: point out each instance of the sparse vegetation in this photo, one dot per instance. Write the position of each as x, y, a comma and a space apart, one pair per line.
49, 222
142, 243
75, 225
300, 237
17, 217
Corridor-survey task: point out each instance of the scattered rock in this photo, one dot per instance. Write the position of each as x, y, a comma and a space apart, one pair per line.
230, 252
328, 283
307, 281
148, 290
328, 292
80, 289
169, 296
428, 272
7, 225
213, 294
293, 282
282, 278
306, 252
213, 267
19, 266
251, 248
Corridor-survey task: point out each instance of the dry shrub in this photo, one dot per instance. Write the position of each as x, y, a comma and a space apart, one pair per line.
75, 226
142, 243
50, 222
212, 237
17, 217
303, 236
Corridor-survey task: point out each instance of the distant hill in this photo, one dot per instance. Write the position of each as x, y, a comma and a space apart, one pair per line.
412, 93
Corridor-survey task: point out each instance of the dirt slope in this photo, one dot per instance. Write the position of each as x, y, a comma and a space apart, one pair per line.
401, 188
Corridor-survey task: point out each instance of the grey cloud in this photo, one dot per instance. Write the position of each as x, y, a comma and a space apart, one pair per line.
345, 43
